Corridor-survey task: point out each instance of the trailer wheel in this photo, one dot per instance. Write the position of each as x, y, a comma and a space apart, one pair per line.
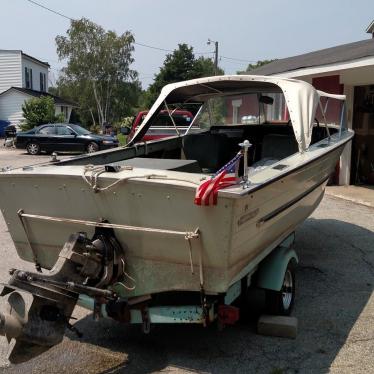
281, 302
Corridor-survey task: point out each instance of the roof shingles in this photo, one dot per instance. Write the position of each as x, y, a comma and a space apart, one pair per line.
58, 100
340, 53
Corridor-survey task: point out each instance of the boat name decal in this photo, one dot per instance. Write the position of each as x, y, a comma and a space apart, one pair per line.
246, 217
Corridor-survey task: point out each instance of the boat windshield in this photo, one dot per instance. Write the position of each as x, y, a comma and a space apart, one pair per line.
243, 109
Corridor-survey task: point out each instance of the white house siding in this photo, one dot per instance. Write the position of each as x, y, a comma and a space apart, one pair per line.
11, 106
65, 110
36, 70
10, 69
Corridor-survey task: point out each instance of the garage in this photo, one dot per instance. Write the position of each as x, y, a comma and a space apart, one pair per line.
344, 69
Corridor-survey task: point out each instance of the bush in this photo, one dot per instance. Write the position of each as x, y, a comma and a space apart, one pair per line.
38, 111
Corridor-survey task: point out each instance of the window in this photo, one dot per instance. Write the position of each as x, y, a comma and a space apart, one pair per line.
43, 82
244, 109
28, 78
63, 130
64, 111
47, 130
164, 120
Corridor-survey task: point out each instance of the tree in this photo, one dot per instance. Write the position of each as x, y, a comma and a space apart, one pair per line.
98, 68
179, 66
204, 67
39, 110
255, 66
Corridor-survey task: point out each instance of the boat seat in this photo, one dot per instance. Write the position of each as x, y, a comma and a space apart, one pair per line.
275, 147
211, 151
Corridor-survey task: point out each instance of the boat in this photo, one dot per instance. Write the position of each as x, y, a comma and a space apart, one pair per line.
179, 221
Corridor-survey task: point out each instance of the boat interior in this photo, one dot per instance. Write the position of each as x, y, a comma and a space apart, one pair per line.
208, 150
222, 120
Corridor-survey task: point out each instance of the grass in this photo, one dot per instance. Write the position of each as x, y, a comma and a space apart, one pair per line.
122, 139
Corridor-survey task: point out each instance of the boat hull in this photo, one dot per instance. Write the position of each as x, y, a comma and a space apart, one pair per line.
235, 235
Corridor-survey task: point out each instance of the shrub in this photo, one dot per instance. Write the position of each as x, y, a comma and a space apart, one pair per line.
38, 111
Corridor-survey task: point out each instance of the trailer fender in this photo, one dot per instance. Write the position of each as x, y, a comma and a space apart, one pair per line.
272, 269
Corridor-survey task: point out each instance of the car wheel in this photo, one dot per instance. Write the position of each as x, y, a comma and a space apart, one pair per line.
281, 302
33, 148
92, 147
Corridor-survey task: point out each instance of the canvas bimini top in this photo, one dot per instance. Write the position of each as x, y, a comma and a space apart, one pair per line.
302, 98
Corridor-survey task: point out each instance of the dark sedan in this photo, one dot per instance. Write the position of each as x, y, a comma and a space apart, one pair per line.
61, 137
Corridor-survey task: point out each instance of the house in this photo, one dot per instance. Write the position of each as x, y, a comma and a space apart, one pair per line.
21, 78
344, 69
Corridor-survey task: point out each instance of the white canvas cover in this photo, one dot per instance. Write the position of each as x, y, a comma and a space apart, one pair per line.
301, 97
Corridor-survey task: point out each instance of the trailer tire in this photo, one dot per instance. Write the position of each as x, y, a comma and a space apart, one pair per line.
281, 302
252, 304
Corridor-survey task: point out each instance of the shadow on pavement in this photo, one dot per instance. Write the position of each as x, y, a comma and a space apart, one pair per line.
335, 280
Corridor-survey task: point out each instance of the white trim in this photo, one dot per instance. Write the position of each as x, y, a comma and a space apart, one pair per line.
315, 70
35, 60
235, 110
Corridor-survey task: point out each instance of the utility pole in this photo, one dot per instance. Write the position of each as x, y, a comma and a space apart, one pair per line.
215, 55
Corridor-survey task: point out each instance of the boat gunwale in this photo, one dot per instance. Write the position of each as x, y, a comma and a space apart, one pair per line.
231, 192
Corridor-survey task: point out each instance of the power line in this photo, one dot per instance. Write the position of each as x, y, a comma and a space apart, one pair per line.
137, 43
234, 63
237, 59
150, 46
169, 50
50, 10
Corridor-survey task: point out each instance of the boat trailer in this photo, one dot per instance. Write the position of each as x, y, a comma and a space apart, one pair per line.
39, 305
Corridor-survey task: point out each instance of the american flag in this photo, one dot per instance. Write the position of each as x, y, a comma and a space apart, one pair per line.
227, 176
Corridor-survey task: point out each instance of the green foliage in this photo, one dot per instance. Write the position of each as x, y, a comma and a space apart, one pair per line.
60, 118
38, 111
95, 128
98, 75
179, 66
213, 113
255, 66
122, 139
204, 67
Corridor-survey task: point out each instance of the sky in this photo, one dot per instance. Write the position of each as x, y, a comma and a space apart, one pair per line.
246, 30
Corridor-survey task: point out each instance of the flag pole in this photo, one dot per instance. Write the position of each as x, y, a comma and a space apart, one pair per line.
245, 146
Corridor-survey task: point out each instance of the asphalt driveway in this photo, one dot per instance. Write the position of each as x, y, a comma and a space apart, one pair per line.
19, 157
334, 305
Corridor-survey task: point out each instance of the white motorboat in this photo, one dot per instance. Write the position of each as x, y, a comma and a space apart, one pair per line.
172, 221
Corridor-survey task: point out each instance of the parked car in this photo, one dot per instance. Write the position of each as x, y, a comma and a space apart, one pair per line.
162, 126
62, 137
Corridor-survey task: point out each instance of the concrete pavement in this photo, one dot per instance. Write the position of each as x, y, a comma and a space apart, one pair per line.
358, 194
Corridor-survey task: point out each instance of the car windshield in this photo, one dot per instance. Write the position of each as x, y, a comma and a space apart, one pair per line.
80, 130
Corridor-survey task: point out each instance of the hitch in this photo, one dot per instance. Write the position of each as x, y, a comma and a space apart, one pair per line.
39, 306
